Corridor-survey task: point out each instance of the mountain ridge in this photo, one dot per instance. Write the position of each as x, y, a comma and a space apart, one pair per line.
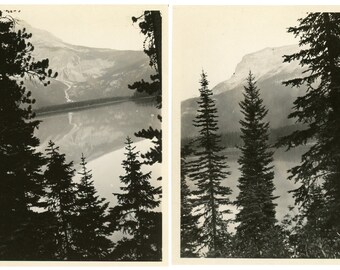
260, 68
84, 73
269, 71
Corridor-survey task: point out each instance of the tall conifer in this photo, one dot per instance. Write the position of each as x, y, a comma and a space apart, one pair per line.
189, 222
319, 111
256, 201
20, 171
60, 193
150, 24
207, 171
91, 224
134, 214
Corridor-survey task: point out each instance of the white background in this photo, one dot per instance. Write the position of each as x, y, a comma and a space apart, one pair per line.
169, 221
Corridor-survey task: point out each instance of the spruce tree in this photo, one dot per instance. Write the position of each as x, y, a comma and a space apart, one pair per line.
150, 24
91, 224
189, 222
21, 234
256, 201
207, 171
319, 111
60, 198
134, 215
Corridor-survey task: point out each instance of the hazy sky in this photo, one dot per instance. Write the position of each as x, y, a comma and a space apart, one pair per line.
216, 39
88, 25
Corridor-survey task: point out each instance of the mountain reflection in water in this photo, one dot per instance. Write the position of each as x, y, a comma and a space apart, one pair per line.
96, 131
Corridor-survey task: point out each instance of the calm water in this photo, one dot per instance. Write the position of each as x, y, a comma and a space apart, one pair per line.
96, 131
100, 133
283, 161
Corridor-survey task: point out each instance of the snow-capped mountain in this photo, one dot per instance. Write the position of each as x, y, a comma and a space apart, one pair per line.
269, 71
84, 73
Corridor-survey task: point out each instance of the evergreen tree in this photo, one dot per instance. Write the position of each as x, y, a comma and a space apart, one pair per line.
134, 216
60, 193
257, 210
207, 170
319, 111
189, 223
20, 171
150, 24
91, 225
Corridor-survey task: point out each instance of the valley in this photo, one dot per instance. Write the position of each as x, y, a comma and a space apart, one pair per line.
84, 73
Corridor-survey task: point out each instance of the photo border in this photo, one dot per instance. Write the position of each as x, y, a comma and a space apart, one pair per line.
163, 8
176, 144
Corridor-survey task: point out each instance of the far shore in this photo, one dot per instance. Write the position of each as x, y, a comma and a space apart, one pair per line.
84, 105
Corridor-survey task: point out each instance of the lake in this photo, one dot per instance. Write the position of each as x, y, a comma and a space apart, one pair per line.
283, 161
100, 133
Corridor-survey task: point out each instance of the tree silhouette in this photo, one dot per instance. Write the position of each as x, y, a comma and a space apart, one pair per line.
60, 193
91, 224
189, 222
256, 201
134, 214
20, 171
207, 171
319, 111
150, 24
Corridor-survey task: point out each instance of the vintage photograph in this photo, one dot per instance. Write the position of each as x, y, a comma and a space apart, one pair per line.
81, 133
257, 140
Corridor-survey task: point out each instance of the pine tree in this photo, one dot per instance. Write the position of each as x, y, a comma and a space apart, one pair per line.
150, 24
134, 214
60, 193
319, 111
207, 171
189, 223
91, 225
257, 210
20, 171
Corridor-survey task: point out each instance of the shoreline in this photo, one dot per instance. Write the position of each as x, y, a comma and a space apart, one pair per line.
84, 105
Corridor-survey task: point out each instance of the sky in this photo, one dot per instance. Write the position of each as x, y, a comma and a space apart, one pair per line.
213, 38
216, 38
87, 25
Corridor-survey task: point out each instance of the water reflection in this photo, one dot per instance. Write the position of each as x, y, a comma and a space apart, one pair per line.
96, 131
283, 161
100, 133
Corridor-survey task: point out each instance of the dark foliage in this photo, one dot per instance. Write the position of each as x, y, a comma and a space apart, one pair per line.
189, 222
20, 171
207, 171
256, 229
91, 223
60, 194
150, 24
133, 215
319, 110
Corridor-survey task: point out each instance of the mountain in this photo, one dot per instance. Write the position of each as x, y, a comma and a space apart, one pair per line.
84, 73
269, 72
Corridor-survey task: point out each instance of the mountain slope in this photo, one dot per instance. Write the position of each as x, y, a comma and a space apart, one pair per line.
264, 64
84, 73
270, 72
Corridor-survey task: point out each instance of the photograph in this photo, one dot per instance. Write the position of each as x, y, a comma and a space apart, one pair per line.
81, 175
256, 134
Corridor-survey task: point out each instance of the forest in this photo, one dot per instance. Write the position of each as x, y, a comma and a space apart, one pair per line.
45, 214
206, 206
